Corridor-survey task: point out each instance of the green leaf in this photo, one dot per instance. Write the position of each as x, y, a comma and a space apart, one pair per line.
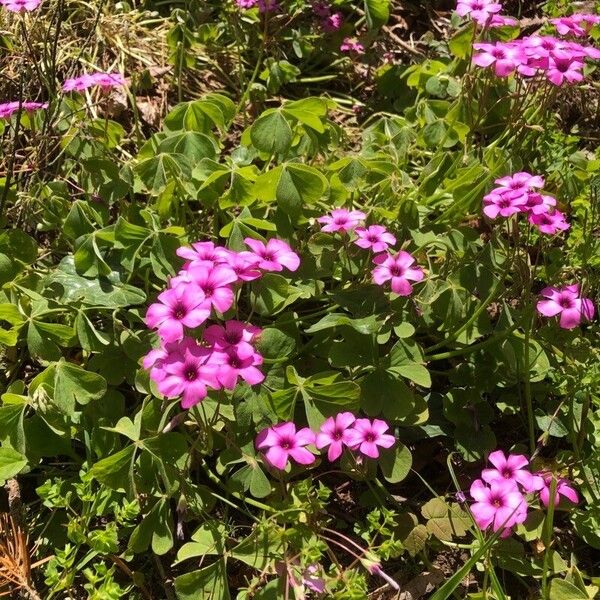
395, 462
274, 343
565, 590
11, 463
194, 146
382, 391
114, 471
253, 480
107, 291
207, 539
157, 172
9, 314
309, 111
209, 583
162, 536
90, 338
378, 12
365, 325
18, 245
298, 186
260, 549
72, 385
171, 448
415, 372
271, 133
12, 431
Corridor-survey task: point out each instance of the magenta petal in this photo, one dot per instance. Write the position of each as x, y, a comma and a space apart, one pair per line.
548, 308
570, 318
302, 456
498, 459
568, 492
277, 457
401, 286
345, 419
266, 438
194, 392
370, 449
479, 491
516, 461
252, 375
483, 514
305, 436
335, 451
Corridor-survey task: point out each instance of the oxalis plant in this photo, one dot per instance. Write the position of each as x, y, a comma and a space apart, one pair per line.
285, 342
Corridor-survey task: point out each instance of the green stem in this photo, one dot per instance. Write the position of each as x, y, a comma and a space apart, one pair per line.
491, 340
528, 399
547, 537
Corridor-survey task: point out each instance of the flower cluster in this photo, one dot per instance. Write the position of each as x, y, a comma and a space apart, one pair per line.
20, 6
568, 303
350, 45
484, 13
263, 5
557, 60
182, 366
282, 441
396, 268
104, 80
9, 108
518, 193
330, 21
578, 24
500, 493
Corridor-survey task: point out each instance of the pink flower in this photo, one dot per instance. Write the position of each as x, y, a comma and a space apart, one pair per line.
563, 488
349, 45
341, 219
505, 57
20, 5
568, 303
275, 256
215, 283
375, 237
563, 68
283, 442
497, 203
321, 9
335, 433
9, 108
332, 22
519, 183
104, 80
511, 468
182, 306
238, 361
578, 24
202, 253
267, 6
234, 334
478, 10
244, 264
246, 3
187, 372
549, 223
366, 436
311, 580
398, 270
502, 21
500, 505
538, 204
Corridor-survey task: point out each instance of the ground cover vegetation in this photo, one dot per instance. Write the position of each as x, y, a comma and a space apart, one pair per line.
299, 299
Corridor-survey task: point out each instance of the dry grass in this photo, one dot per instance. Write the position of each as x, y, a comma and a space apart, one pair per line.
15, 561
